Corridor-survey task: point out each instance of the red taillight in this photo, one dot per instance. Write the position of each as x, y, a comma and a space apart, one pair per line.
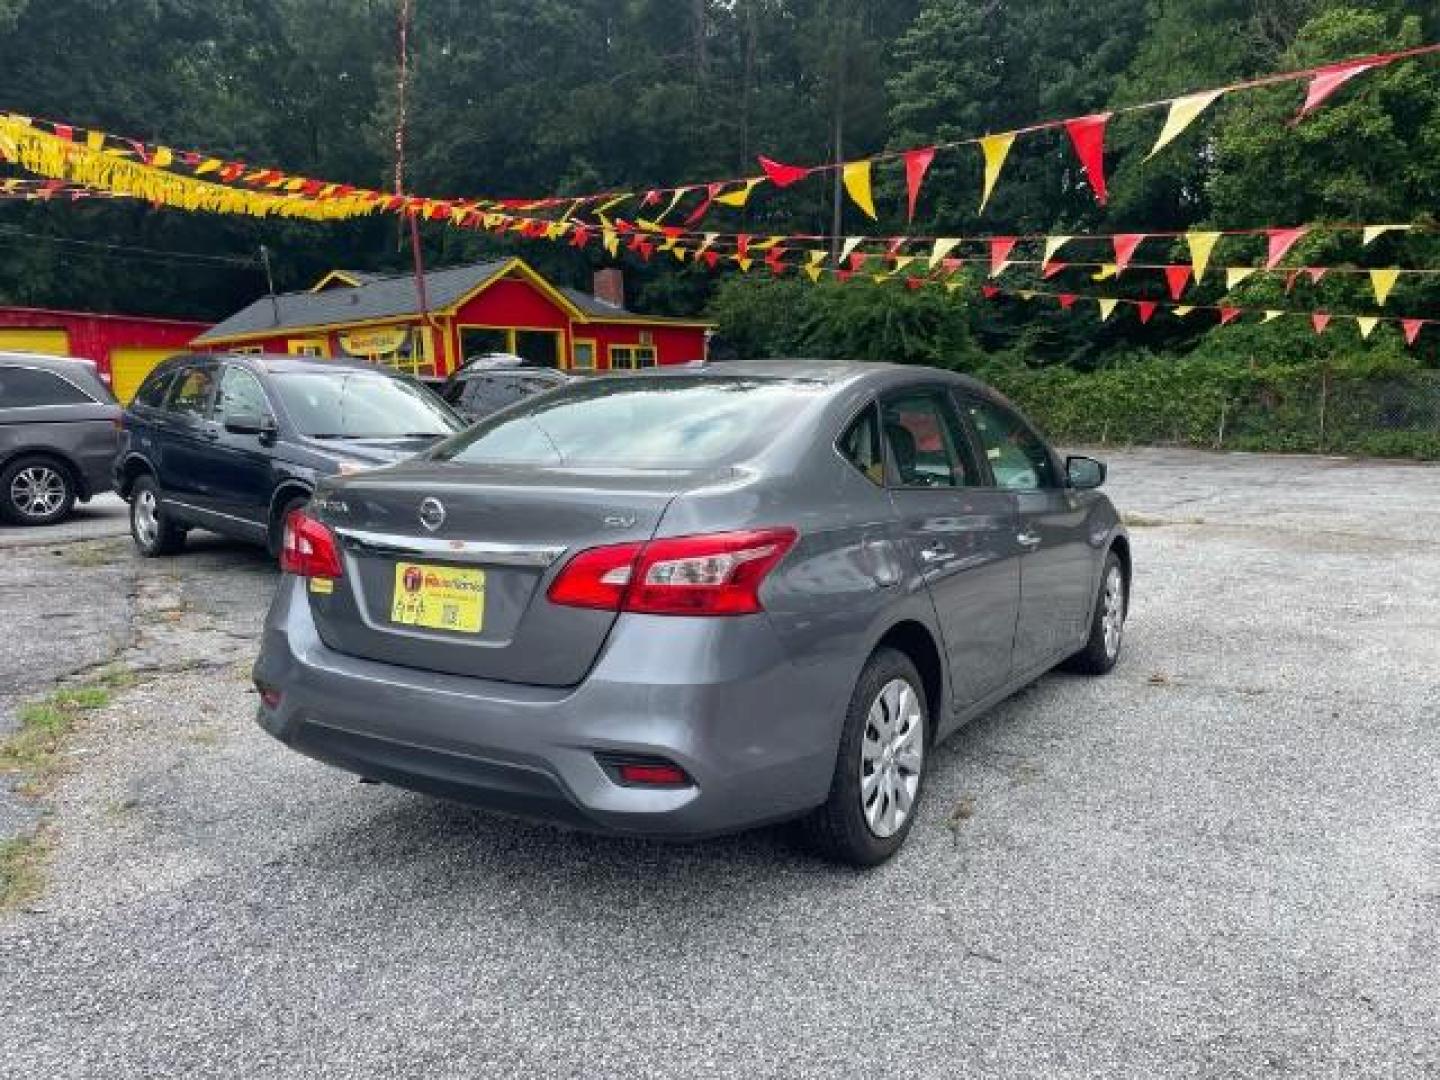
309, 549
713, 574
654, 775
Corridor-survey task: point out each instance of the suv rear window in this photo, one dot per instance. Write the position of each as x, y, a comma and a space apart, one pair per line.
639, 421
28, 388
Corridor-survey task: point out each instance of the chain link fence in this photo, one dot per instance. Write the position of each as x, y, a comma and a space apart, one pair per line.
1305, 411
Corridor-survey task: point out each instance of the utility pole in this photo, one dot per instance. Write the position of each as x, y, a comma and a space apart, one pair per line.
842, 48
270, 283
401, 118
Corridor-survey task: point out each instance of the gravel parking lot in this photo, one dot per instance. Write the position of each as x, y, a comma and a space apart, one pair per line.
1223, 860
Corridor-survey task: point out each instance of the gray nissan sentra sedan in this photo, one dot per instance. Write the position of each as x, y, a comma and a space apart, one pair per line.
694, 601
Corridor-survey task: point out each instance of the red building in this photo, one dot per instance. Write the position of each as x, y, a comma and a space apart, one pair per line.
502, 306
124, 347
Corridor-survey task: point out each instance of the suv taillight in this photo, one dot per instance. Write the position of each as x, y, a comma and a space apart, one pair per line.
309, 549
712, 574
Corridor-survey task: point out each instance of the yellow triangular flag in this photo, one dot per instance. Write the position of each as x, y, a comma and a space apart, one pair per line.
902, 261
857, 183
1374, 232
744, 263
1201, 245
1271, 315
1366, 323
766, 244
1383, 281
1026, 294
1183, 111
680, 253
1234, 275
813, 272
943, 247
1052, 245
207, 166
1181, 310
879, 279
995, 148
164, 157
1107, 270
740, 196
816, 256
951, 286
848, 248
1107, 306
611, 240
95, 140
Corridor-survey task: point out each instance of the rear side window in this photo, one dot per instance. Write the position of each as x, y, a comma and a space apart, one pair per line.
642, 421
191, 393
927, 443
860, 445
29, 388
240, 394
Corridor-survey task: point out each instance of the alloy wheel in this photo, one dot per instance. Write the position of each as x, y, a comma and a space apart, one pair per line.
38, 491
147, 518
892, 755
1112, 611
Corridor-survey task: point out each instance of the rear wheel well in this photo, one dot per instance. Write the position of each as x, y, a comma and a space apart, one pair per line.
283, 495
916, 642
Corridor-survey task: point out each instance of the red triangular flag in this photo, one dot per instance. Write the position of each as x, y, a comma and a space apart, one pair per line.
1177, 277
580, 237
1319, 320
711, 190
712, 258
652, 197
1067, 300
1228, 315
1052, 268
1000, 248
952, 265
1316, 273
1412, 329
1147, 309
913, 282
1125, 245
1281, 241
892, 250
989, 292
742, 245
857, 261
843, 276
917, 164
1326, 81
1087, 136
782, 176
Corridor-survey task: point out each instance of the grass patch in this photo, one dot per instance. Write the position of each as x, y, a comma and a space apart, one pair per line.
1145, 521
22, 864
92, 553
37, 745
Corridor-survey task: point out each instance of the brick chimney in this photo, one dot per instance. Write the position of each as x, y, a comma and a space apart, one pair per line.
610, 286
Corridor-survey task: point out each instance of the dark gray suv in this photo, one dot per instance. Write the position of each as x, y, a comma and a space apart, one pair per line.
59, 430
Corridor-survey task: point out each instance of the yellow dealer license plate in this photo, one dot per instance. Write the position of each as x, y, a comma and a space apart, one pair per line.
439, 597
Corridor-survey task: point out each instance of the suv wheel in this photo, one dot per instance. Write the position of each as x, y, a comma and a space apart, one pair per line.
880, 770
36, 490
153, 531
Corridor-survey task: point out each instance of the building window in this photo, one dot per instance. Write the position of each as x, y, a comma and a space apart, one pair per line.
582, 354
247, 350
308, 347
632, 357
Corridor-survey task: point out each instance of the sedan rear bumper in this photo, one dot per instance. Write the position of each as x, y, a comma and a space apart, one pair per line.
718, 697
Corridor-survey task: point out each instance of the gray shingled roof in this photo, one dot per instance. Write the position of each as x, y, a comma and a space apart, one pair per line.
375, 298
382, 297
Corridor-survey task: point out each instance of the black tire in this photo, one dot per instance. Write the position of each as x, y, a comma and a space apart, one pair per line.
276, 536
165, 537
36, 489
1102, 651
839, 829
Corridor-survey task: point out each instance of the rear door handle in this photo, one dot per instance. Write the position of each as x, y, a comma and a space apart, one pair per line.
1028, 540
935, 553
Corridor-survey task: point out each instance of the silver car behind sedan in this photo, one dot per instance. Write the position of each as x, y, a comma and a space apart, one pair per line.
690, 602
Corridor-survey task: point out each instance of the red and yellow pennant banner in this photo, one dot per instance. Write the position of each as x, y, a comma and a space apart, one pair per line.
193, 180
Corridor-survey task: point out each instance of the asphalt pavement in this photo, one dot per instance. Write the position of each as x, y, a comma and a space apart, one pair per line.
1223, 860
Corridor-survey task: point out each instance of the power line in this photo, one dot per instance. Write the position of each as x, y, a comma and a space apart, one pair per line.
130, 250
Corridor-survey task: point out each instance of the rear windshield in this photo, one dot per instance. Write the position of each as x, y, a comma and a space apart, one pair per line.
358, 405
639, 422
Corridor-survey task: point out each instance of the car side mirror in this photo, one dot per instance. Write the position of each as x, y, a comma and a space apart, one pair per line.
250, 424
1084, 473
